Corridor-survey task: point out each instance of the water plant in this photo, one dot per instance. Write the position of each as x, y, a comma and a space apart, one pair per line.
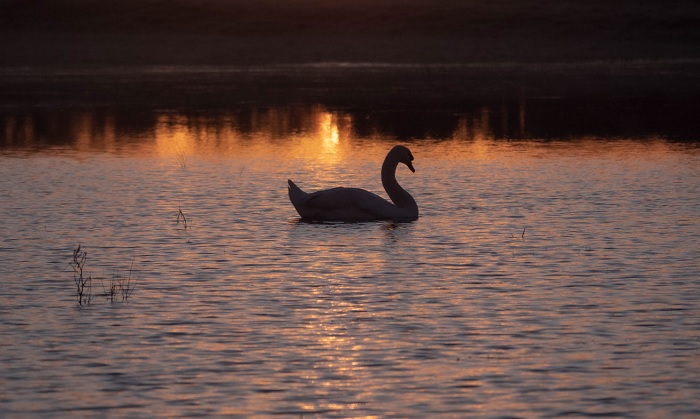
181, 214
522, 236
181, 157
83, 284
120, 285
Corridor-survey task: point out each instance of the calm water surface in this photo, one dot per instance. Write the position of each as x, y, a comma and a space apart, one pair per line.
543, 279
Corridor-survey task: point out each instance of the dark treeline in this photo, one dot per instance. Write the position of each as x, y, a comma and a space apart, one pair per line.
206, 32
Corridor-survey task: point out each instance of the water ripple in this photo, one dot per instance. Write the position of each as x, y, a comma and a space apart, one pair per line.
523, 291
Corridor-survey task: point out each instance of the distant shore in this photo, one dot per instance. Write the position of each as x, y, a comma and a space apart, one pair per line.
84, 33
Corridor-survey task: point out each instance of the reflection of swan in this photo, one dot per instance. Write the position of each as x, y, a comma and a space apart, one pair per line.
353, 204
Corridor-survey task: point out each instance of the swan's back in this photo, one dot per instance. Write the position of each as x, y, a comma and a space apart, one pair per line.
341, 204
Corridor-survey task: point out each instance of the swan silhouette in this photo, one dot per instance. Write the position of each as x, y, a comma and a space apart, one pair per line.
354, 204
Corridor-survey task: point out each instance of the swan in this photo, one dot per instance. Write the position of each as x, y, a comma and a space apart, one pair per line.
354, 204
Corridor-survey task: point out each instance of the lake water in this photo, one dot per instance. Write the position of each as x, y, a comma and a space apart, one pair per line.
553, 272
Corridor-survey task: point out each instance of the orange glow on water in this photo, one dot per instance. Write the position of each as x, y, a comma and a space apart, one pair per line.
314, 133
173, 137
320, 135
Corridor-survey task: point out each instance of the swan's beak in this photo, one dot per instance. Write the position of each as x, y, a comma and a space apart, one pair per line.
410, 166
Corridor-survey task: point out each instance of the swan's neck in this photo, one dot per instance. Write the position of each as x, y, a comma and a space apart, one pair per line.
398, 195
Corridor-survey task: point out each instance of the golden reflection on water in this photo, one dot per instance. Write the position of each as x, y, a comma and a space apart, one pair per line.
313, 131
317, 134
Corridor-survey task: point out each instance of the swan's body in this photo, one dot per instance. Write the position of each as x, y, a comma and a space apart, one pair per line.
354, 204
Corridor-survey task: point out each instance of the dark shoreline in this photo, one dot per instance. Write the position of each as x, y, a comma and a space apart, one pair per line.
339, 84
78, 33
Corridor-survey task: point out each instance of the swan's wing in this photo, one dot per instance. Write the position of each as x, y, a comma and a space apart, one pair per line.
331, 198
337, 198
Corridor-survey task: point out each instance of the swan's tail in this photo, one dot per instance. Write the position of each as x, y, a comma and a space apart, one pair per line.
296, 195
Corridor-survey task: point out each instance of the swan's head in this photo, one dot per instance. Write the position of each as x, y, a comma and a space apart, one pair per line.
403, 155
